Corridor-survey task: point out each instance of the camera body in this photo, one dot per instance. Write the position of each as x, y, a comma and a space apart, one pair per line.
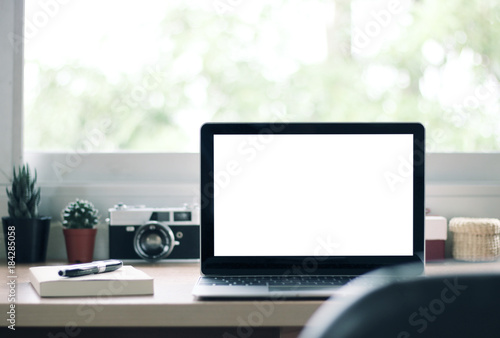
137, 232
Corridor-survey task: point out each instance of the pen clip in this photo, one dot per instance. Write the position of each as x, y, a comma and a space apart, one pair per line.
101, 266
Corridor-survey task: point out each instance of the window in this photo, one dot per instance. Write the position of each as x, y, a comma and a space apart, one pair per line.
101, 165
107, 76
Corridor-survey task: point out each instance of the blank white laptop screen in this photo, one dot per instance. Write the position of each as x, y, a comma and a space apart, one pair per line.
313, 195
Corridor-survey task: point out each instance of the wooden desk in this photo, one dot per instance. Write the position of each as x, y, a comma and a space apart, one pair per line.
172, 310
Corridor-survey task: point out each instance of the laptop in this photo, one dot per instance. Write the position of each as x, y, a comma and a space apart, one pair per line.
296, 210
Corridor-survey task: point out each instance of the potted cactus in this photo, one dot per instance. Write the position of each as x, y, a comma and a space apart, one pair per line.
80, 219
26, 233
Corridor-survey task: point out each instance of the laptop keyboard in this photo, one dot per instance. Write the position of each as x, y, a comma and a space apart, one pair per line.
316, 281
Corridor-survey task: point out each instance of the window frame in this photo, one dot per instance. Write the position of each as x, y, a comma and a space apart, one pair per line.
11, 87
457, 184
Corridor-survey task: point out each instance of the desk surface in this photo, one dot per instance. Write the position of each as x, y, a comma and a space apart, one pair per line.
172, 304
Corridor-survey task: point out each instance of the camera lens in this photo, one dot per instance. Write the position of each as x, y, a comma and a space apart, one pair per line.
154, 241
151, 243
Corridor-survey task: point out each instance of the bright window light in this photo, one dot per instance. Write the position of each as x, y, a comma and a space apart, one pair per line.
128, 75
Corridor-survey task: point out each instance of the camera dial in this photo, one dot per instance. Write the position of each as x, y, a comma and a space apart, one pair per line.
154, 241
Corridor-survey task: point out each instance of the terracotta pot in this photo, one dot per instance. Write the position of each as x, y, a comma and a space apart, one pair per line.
29, 236
80, 244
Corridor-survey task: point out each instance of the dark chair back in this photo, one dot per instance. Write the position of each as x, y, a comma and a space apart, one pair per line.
438, 306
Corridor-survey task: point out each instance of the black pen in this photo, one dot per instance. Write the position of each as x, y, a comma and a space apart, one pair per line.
76, 270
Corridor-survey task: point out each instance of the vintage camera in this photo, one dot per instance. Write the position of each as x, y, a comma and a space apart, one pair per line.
137, 232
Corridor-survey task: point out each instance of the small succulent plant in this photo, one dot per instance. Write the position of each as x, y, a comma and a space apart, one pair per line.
24, 195
80, 215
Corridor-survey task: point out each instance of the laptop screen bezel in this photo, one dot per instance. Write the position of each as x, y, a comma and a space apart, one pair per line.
281, 265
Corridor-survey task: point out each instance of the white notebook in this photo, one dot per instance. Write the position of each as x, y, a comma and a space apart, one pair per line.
125, 281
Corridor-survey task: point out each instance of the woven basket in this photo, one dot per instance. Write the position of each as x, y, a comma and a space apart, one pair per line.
475, 239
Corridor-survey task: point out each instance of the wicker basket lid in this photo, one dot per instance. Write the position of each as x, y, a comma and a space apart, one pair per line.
478, 226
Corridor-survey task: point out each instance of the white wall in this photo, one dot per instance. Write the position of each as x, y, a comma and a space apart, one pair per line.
154, 180
473, 192
463, 185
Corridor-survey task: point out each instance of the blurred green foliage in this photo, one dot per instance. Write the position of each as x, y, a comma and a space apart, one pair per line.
435, 62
